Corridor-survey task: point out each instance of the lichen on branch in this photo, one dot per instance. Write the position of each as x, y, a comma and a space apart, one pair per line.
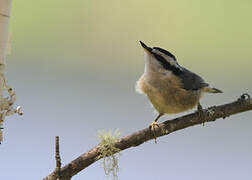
108, 152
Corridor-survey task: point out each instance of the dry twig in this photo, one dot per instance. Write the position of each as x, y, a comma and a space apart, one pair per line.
57, 158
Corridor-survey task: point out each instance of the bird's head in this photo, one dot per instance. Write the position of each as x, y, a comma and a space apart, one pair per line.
160, 60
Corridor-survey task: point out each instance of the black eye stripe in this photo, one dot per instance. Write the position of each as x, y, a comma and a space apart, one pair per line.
166, 65
165, 52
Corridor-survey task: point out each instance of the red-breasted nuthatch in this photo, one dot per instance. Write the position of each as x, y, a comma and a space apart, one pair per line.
170, 87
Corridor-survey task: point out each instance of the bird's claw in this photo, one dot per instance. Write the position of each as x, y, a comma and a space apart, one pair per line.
152, 128
153, 124
201, 114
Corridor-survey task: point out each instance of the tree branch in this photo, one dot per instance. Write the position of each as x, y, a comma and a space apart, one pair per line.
244, 103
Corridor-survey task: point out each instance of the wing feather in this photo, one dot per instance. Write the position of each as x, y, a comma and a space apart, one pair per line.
191, 81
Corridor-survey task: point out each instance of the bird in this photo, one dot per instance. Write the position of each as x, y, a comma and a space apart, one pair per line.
170, 87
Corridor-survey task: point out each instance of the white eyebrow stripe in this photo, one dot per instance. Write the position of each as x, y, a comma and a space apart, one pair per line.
169, 59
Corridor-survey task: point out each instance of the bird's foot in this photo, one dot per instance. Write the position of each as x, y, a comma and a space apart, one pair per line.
201, 114
153, 124
152, 128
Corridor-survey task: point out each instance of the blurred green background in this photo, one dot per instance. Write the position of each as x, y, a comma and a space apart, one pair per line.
74, 65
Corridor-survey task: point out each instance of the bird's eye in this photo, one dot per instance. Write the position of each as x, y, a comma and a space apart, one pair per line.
167, 65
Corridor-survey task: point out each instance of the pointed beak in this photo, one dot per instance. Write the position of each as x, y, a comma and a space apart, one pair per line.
146, 48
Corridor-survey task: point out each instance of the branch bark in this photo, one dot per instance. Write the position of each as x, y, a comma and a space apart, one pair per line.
211, 114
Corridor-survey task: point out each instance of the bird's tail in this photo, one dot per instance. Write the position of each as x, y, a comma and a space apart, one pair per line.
212, 90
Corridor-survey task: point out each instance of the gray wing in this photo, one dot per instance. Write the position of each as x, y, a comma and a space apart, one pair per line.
191, 81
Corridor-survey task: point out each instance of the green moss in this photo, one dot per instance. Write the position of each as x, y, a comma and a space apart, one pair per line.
108, 150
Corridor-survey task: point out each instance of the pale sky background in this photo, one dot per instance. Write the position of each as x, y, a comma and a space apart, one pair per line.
74, 65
